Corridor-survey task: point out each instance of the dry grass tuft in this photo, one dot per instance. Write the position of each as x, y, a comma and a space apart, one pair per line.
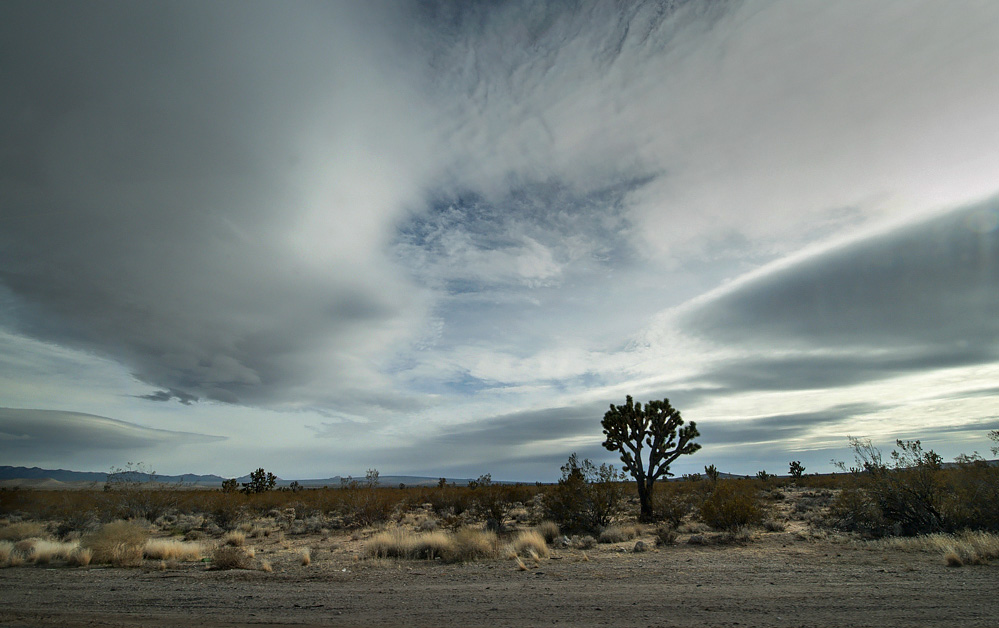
966, 548
548, 530
520, 564
119, 543
528, 541
234, 539
230, 557
617, 533
305, 556
171, 549
6, 552
265, 566
465, 545
43, 552
22, 530
80, 557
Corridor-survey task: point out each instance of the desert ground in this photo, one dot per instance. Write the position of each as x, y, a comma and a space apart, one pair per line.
789, 578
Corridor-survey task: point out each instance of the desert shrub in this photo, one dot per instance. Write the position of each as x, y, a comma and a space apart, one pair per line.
171, 549
586, 498
6, 551
229, 557
234, 538
671, 503
80, 557
43, 552
225, 509
132, 493
583, 542
912, 494
119, 543
22, 530
616, 533
402, 544
427, 525
548, 530
732, 504
666, 535
530, 543
970, 499
774, 525
465, 545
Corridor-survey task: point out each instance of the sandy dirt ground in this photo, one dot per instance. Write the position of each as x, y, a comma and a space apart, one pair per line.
779, 579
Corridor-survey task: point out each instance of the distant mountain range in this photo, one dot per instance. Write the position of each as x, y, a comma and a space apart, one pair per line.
53, 478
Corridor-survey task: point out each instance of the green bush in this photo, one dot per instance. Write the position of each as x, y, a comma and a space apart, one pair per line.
586, 498
731, 505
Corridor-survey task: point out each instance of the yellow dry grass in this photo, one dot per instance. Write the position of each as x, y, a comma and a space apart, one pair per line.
172, 549
119, 543
528, 542
963, 548
465, 545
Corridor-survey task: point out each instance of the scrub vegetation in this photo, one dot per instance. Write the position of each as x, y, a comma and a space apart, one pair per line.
907, 500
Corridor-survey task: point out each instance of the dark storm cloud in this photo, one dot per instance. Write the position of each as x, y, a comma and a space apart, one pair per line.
522, 428
47, 434
780, 427
918, 298
151, 178
167, 395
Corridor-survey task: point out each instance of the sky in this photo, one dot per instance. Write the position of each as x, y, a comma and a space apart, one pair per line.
441, 238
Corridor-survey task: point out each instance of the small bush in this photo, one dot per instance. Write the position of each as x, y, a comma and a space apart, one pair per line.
618, 533
119, 543
170, 549
6, 551
666, 535
229, 557
731, 505
43, 552
465, 545
548, 530
22, 530
235, 539
528, 542
773, 525
80, 557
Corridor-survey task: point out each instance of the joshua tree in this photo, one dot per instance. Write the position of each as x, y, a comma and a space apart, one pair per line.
649, 442
797, 469
260, 482
712, 472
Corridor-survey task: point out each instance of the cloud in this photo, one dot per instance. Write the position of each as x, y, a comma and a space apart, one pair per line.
913, 299
28, 435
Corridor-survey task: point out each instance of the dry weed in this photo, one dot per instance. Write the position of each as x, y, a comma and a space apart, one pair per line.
963, 548
119, 543
230, 557
305, 556
44, 552
170, 549
528, 541
234, 538
80, 557
22, 530
548, 530
617, 533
